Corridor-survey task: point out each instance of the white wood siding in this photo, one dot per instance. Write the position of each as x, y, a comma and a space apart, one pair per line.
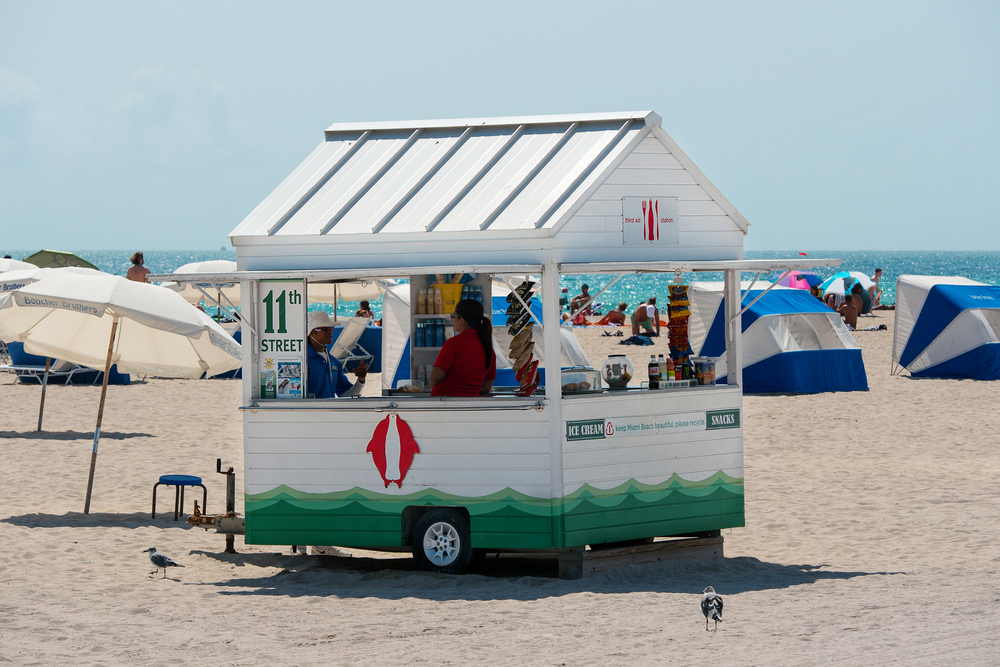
704, 229
464, 453
647, 457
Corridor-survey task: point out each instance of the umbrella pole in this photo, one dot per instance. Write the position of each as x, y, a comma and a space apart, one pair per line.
100, 415
45, 382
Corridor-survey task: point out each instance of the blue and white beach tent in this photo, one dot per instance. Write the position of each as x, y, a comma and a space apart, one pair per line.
948, 327
792, 343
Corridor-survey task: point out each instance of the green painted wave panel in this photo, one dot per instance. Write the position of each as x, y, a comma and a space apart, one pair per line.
506, 519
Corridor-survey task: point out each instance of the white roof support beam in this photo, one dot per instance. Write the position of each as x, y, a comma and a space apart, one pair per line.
529, 176
371, 181
319, 183
478, 177
561, 199
423, 181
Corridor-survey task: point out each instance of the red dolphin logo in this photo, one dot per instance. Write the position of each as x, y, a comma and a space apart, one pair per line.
392, 448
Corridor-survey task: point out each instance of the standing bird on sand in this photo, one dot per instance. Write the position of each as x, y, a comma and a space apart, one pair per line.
711, 606
160, 559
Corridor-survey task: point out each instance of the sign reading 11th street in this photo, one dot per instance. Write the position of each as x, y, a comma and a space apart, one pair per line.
281, 310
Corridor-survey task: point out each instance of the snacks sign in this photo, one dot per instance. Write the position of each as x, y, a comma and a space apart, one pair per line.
599, 429
649, 221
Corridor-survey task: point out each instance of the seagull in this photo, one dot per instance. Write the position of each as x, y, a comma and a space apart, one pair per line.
160, 559
711, 606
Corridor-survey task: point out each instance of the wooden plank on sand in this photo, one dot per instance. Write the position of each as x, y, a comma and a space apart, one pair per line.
579, 564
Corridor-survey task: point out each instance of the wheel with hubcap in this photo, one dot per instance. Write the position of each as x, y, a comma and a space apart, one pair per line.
442, 541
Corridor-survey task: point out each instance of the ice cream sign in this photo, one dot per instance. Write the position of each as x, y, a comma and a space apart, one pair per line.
649, 221
599, 429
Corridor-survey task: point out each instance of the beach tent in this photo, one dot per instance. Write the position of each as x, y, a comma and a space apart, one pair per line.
947, 326
791, 341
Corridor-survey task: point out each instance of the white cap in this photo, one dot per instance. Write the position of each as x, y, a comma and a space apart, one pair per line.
319, 318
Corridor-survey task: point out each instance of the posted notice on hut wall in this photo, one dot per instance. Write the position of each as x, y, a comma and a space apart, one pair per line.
649, 221
281, 323
601, 428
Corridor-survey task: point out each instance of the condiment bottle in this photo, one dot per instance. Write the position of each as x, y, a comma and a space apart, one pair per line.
419, 335
654, 372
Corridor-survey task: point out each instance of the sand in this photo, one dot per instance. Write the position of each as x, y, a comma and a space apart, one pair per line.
871, 537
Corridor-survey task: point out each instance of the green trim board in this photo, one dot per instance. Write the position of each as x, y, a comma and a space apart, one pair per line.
506, 519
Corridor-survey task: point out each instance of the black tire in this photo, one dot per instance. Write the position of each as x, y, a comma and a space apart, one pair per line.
442, 541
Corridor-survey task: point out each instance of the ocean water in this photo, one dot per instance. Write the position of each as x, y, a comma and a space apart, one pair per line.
983, 266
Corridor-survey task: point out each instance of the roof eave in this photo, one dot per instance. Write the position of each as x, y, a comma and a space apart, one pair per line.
649, 117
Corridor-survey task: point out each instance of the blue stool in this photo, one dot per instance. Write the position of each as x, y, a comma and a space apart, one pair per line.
179, 482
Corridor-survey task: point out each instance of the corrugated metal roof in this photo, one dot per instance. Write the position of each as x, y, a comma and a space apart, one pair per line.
445, 175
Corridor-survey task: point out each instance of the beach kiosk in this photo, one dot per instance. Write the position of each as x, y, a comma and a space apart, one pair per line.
512, 200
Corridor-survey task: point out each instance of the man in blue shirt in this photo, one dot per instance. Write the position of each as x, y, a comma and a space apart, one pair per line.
326, 373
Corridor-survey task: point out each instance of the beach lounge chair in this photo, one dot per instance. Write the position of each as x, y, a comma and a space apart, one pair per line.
347, 348
30, 368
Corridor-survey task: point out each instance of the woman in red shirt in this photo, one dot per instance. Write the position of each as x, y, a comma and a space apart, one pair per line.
466, 365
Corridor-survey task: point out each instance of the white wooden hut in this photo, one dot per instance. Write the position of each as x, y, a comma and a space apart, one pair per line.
542, 196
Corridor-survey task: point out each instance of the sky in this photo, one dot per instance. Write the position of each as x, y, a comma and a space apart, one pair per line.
849, 125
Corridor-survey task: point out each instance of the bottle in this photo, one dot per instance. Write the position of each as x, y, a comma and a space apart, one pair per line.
421, 374
438, 301
440, 332
419, 335
671, 369
422, 302
654, 372
661, 362
479, 294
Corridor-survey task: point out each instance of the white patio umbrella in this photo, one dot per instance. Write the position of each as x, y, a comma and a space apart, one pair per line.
192, 294
18, 278
14, 280
98, 321
862, 278
7, 264
349, 291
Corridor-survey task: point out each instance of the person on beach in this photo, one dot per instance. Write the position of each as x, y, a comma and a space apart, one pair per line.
849, 312
577, 301
364, 311
137, 271
648, 317
326, 373
859, 292
877, 280
466, 364
615, 317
